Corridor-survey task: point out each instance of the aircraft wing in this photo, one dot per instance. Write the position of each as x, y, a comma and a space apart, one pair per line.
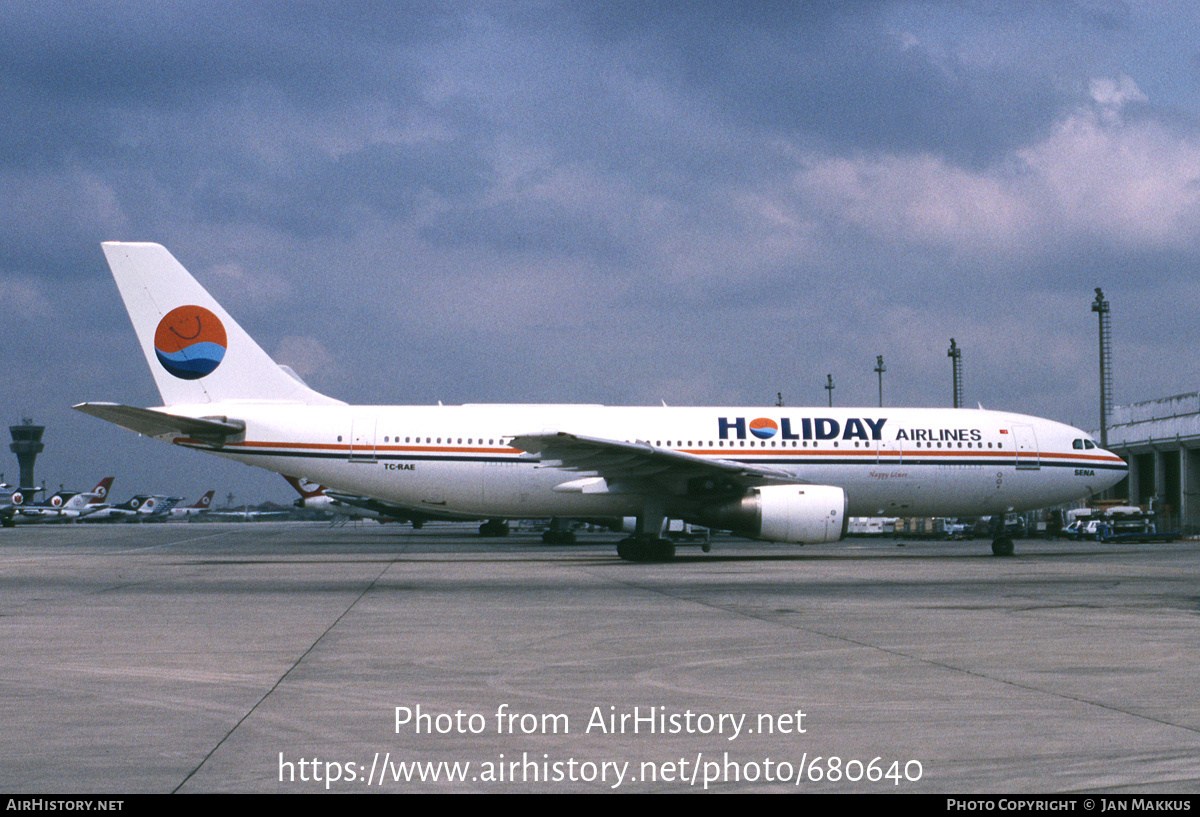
153, 423
623, 462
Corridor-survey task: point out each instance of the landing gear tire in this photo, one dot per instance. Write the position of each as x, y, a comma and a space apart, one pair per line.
558, 537
1002, 546
627, 549
494, 528
634, 549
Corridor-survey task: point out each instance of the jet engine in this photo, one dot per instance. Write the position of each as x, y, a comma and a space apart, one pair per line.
803, 514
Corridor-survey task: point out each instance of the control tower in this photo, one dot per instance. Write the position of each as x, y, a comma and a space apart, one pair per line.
27, 444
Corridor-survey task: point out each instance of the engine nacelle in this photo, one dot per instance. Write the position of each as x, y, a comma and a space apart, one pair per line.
802, 514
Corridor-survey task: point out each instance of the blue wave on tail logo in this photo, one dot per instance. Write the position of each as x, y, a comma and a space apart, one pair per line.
190, 342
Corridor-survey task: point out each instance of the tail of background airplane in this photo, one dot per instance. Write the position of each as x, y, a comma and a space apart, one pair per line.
307, 490
99, 494
195, 350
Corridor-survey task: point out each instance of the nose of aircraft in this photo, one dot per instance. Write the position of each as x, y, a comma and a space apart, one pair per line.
1115, 468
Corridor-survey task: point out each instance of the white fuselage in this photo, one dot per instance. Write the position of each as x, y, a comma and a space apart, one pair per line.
456, 459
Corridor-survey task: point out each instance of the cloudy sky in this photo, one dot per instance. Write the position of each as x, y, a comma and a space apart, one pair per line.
623, 203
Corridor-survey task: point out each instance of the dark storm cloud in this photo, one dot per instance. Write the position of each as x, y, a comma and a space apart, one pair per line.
322, 194
1111, 15
175, 52
836, 74
531, 227
114, 115
75, 79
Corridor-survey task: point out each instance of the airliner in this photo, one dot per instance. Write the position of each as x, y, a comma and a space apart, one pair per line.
12, 497
63, 506
792, 475
140, 508
199, 507
347, 506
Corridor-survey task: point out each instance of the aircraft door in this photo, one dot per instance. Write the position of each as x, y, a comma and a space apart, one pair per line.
362, 439
1026, 444
889, 452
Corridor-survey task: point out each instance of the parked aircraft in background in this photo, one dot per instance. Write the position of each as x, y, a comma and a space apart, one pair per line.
202, 506
63, 506
318, 497
141, 508
786, 475
245, 514
315, 497
12, 496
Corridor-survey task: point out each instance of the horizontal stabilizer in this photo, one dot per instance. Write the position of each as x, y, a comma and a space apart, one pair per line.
153, 423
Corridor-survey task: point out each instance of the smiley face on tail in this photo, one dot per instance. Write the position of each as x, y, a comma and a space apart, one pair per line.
190, 342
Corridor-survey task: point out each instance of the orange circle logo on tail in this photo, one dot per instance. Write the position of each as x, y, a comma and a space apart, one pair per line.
190, 342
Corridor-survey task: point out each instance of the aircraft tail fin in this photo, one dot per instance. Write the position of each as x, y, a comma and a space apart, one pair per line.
100, 492
306, 489
96, 496
197, 353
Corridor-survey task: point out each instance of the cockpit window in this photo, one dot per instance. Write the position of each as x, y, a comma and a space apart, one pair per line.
1077, 445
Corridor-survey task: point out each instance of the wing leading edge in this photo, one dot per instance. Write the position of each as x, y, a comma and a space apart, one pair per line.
619, 462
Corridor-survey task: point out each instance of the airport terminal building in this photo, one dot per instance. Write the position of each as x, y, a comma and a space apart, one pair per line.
1160, 439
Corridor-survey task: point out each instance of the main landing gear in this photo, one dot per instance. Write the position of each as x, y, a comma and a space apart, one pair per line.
494, 528
1002, 544
559, 532
646, 549
648, 543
